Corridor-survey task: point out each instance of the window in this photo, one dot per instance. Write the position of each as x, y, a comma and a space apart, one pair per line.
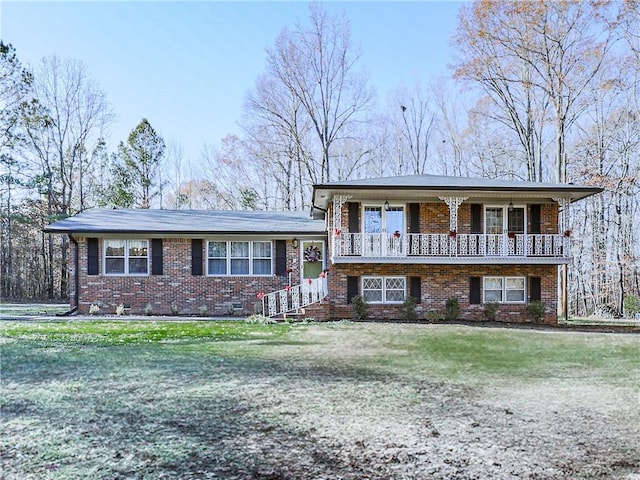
217, 258
504, 289
514, 289
262, 258
126, 257
384, 289
239, 258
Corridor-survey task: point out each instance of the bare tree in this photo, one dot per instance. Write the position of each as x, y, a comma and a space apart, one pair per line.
530, 56
316, 65
413, 120
63, 126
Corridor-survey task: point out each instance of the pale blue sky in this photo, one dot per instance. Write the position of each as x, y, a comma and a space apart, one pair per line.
187, 66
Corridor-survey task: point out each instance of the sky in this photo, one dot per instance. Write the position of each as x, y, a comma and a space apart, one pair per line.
188, 66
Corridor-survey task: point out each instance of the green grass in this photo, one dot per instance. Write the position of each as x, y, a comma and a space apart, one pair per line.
113, 333
29, 310
515, 354
154, 399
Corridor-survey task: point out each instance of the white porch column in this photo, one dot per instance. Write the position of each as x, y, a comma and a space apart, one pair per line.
563, 203
454, 204
335, 241
563, 225
338, 202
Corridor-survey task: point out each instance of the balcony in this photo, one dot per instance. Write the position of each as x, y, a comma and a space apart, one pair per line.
447, 248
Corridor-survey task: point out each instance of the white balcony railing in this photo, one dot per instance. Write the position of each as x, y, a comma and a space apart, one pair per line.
293, 298
383, 245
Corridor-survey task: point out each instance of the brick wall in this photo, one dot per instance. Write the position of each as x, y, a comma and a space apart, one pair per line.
219, 294
440, 282
176, 286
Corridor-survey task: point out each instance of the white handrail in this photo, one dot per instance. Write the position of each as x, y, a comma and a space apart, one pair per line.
383, 245
294, 297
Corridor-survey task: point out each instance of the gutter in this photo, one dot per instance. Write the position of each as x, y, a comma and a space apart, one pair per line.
76, 279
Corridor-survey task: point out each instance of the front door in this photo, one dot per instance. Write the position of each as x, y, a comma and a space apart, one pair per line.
312, 259
383, 229
503, 226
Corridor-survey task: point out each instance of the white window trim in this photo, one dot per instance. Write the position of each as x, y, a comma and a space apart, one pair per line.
505, 216
504, 288
251, 258
384, 289
126, 257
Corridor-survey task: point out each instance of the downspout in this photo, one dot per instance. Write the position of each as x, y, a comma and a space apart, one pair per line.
76, 279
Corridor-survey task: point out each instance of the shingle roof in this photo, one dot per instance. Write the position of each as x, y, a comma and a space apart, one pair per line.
440, 183
446, 182
189, 222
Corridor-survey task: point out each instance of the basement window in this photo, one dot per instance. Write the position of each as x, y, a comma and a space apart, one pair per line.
504, 289
384, 289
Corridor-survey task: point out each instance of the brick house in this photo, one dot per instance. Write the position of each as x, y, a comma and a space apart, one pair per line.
429, 237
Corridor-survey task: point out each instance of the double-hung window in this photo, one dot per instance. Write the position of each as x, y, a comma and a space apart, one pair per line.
504, 289
126, 257
384, 289
239, 258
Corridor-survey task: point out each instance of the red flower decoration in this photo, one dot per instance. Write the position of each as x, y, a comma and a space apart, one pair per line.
512, 234
396, 234
322, 274
337, 232
260, 295
567, 233
453, 233
287, 288
309, 281
289, 270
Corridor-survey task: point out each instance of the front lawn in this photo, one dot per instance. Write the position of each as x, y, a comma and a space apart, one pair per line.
191, 400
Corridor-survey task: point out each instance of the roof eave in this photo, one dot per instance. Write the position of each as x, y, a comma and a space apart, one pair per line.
575, 193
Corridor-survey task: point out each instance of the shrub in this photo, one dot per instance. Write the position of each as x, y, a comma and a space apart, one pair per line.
174, 309
491, 311
204, 310
148, 309
260, 319
631, 305
452, 308
360, 307
536, 310
410, 310
94, 309
435, 316
120, 309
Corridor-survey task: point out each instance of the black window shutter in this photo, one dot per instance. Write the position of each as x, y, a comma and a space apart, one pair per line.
475, 295
534, 218
281, 257
156, 257
414, 218
196, 256
93, 256
535, 289
354, 217
476, 218
353, 288
415, 288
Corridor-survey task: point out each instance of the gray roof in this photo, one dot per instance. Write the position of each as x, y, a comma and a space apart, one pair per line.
446, 182
441, 183
190, 222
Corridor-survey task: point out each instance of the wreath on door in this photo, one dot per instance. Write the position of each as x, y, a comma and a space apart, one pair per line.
312, 254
